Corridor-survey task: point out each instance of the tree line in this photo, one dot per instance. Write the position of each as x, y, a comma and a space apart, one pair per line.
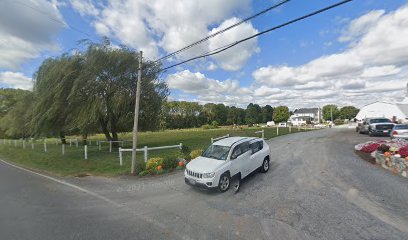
182, 114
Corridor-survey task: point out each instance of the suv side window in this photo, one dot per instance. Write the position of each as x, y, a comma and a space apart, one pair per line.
256, 146
240, 149
244, 147
236, 152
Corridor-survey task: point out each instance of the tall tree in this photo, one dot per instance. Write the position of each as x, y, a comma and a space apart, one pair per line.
53, 112
17, 122
253, 114
106, 89
330, 109
281, 114
348, 112
267, 112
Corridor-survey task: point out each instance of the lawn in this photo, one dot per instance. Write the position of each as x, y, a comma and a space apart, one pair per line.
104, 162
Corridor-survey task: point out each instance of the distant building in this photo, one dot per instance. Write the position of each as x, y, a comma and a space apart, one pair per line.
303, 116
392, 111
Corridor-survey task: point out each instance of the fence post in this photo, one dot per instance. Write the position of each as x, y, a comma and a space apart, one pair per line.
24, 144
277, 131
32, 144
290, 129
212, 140
45, 145
99, 145
70, 142
63, 149
76, 140
145, 153
110, 146
86, 151
181, 146
263, 134
298, 128
120, 156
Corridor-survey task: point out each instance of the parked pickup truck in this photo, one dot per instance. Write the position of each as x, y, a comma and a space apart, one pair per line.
376, 126
226, 162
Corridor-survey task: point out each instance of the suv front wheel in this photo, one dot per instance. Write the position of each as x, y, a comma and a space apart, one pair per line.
224, 183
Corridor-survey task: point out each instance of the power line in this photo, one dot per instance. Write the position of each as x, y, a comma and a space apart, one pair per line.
223, 30
52, 18
221, 49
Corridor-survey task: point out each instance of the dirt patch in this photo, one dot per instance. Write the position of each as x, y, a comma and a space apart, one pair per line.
365, 156
80, 175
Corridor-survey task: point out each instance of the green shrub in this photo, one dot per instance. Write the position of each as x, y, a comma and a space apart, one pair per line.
170, 162
143, 173
152, 164
140, 166
214, 124
196, 153
207, 126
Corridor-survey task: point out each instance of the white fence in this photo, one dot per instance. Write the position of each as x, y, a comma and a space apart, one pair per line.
145, 150
219, 138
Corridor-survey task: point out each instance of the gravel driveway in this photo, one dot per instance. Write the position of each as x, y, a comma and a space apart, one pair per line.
317, 188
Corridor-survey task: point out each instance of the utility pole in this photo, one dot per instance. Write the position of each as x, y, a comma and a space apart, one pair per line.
136, 119
331, 113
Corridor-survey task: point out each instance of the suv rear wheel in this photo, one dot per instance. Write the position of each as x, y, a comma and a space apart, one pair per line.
265, 165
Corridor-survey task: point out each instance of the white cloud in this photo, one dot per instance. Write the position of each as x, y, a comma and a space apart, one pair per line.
233, 59
386, 70
161, 25
361, 25
375, 63
84, 7
16, 80
198, 83
24, 32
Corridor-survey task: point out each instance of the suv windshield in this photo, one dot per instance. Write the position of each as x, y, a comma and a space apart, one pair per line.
217, 152
381, 120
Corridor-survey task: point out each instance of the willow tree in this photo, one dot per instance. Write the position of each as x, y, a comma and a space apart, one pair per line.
106, 87
54, 80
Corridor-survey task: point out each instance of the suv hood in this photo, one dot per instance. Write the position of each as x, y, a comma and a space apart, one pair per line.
204, 165
384, 123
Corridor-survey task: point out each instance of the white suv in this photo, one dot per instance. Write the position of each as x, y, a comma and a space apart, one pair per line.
228, 160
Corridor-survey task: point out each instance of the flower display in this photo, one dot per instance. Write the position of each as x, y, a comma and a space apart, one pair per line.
391, 154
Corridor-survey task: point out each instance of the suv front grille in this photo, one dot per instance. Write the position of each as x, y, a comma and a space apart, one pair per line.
194, 174
384, 127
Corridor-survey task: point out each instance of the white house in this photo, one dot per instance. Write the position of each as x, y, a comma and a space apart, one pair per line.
304, 115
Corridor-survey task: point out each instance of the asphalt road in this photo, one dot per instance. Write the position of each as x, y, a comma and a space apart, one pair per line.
317, 188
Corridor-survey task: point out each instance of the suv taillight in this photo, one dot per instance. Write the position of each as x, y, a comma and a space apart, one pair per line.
394, 133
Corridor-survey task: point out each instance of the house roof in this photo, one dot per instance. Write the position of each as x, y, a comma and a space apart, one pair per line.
306, 110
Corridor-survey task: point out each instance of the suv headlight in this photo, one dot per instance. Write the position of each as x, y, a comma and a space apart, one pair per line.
209, 175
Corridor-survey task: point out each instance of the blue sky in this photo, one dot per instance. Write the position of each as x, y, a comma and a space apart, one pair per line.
334, 57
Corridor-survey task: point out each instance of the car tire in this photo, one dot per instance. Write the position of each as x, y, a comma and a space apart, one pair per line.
236, 183
370, 134
265, 165
224, 183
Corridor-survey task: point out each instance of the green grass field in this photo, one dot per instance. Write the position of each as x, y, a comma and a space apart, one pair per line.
103, 162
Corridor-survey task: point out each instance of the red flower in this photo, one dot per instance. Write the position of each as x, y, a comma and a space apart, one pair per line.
369, 148
403, 151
